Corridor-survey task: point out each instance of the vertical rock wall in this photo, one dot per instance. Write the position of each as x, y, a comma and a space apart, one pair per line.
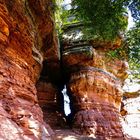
47, 93
97, 98
48, 85
94, 86
25, 26
94, 82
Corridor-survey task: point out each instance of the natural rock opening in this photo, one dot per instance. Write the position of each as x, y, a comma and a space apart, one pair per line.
33, 76
53, 98
67, 109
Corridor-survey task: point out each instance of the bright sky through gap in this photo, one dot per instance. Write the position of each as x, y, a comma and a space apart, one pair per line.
67, 1
130, 21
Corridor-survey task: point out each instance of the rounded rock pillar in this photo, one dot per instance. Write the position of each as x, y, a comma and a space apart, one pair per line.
94, 84
96, 97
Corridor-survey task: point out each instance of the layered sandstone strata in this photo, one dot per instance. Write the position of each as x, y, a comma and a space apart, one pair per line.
48, 101
94, 87
25, 27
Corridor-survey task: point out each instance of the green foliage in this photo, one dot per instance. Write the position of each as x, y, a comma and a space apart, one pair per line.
133, 39
134, 7
120, 53
104, 20
132, 51
107, 17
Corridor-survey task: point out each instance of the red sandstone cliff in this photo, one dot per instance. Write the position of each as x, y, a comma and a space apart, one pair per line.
26, 31
28, 47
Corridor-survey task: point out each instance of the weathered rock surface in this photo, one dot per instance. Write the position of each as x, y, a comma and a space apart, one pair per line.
47, 97
46, 94
94, 87
24, 29
96, 98
95, 58
28, 44
131, 115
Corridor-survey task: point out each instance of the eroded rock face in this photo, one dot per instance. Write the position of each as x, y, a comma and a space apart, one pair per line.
94, 86
96, 98
24, 27
131, 115
48, 102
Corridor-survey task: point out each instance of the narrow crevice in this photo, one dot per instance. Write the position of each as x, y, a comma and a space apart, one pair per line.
67, 109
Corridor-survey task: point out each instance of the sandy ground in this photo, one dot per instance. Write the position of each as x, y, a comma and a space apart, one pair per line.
68, 134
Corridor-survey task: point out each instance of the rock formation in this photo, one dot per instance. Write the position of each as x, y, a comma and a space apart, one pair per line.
94, 87
131, 114
32, 77
25, 29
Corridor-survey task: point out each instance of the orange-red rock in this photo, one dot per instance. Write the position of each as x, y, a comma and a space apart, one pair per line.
27, 40
94, 86
96, 97
24, 25
47, 100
